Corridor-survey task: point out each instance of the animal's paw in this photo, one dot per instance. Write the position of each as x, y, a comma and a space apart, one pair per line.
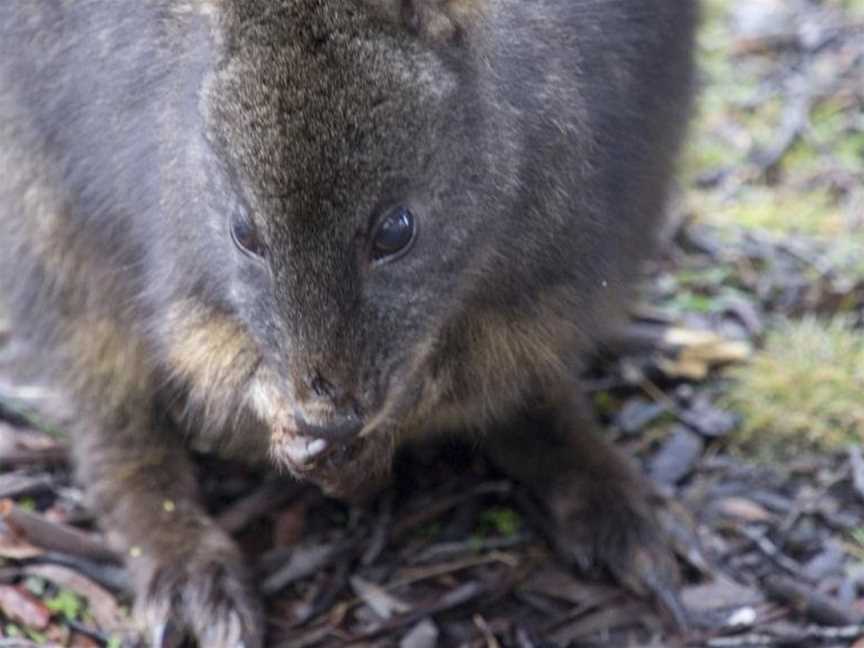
605, 526
352, 470
202, 594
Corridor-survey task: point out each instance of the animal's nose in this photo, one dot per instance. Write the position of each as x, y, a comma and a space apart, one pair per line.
339, 427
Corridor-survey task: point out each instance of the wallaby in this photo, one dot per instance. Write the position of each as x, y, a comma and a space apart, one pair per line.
310, 230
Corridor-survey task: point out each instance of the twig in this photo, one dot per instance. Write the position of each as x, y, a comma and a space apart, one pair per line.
742, 641
802, 507
108, 575
381, 531
803, 637
303, 561
471, 545
88, 631
417, 575
328, 596
809, 602
48, 457
441, 506
795, 119
260, 502
832, 634
453, 599
771, 550
17, 484
489, 639
40, 531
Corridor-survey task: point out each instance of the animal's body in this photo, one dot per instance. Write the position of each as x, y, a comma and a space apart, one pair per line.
315, 228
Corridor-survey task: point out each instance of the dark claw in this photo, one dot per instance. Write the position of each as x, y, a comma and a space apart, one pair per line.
667, 600
157, 636
165, 635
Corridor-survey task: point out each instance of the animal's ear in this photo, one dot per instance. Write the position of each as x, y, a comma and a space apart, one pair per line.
435, 20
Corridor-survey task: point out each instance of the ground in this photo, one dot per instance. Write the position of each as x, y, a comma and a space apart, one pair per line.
738, 387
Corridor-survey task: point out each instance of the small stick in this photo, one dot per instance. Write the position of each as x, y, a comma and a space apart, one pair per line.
441, 550
259, 503
801, 637
380, 533
770, 550
54, 457
451, 600
441, 506
15, 484
40, 531
109, 575
809, 602
489, 639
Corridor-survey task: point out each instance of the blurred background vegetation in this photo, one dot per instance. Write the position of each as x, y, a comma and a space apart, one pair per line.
776, 162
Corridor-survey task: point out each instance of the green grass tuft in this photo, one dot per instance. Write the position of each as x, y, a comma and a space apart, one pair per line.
803, 391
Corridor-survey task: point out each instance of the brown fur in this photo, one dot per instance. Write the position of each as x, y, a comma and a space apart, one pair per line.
435, 20
533, 143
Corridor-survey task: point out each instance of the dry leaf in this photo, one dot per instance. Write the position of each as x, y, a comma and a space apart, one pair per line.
100, 602
744, 509
20, 605
700, 351
384, 604
14, 547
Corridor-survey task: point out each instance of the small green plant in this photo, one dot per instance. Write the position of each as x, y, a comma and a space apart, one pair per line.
501, 521
65, 603
36, 637
802, 391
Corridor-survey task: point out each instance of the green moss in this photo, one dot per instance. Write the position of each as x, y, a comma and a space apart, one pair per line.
690, 302
802, 391
854, 7
803, 160
845, 259
737, 117
704, 153
709, 148
850, 151
812, 212
500, 521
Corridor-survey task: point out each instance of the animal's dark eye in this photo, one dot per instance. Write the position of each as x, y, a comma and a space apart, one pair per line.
394, 234
245, 236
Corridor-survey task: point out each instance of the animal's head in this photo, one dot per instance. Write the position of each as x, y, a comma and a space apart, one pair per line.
342, 186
